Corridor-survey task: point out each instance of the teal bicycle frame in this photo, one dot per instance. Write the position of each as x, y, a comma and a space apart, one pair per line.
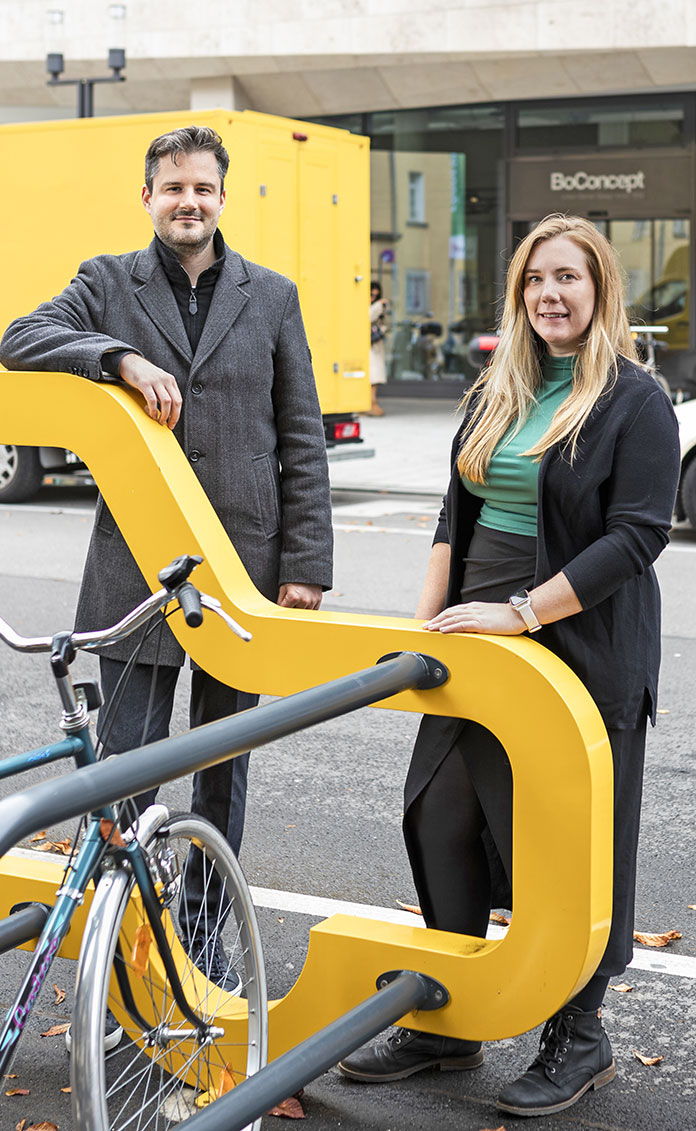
78, 746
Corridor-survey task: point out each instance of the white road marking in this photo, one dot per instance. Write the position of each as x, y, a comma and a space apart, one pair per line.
321, 907
379, 508
675, 965
419, 531
32, 508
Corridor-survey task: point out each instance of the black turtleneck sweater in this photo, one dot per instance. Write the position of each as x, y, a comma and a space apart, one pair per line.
193, 302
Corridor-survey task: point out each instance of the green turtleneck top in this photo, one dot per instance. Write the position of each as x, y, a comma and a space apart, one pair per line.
510, 491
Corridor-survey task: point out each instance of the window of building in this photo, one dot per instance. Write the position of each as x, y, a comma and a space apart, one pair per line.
615, 124
416, 197
435, 197
417, 288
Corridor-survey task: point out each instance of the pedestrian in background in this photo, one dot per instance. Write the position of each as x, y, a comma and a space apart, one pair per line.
564, 474
378, 333
216, 346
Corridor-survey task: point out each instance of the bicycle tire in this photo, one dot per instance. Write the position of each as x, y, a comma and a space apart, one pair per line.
153, 1080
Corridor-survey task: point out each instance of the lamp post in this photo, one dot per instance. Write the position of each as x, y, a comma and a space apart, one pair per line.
55, 65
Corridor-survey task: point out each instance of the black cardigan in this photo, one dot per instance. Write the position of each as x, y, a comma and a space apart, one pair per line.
602, 521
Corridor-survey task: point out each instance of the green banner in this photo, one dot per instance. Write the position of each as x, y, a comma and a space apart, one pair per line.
457, 243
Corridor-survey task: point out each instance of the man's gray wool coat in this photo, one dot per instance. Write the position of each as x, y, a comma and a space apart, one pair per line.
250, 423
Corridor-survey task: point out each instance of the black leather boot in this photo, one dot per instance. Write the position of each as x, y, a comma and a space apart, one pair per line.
406, 1051
574, 1056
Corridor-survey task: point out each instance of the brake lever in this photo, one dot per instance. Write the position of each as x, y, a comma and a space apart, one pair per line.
214, 605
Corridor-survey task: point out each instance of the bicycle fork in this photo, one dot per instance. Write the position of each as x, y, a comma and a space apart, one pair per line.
136, 858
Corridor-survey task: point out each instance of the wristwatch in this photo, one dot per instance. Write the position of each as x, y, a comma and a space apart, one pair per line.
522, 602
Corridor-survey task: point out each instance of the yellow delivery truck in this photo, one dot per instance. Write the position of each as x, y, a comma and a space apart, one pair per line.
297, 202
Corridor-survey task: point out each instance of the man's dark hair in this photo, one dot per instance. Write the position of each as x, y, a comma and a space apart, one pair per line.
188, 139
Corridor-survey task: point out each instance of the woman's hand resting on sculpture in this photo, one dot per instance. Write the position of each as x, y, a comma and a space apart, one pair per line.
478, 616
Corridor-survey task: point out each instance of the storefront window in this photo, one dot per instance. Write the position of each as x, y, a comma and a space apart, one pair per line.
610, 126
435, 177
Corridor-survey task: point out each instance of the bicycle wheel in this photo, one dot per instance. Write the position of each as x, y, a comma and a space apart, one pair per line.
166, 1070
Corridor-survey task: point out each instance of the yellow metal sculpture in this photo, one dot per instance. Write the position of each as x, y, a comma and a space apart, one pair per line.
544, 717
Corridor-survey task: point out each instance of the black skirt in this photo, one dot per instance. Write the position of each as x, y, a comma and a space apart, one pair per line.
498, 564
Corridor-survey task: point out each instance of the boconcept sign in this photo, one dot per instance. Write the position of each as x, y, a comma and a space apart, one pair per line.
597, 182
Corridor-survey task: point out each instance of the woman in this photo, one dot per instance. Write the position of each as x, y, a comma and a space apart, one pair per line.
378, 330
564, 476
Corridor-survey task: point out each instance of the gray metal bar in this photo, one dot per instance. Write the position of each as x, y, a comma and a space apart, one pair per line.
24, 925
93, 787
297, 1067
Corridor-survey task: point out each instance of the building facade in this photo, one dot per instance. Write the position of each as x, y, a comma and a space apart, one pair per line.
482, 118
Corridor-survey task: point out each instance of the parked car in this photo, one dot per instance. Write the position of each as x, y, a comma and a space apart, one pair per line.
686, 495
23, 469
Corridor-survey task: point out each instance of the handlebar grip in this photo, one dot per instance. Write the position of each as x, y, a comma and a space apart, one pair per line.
190, 601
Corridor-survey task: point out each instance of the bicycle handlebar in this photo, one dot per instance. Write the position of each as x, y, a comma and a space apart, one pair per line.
190, 601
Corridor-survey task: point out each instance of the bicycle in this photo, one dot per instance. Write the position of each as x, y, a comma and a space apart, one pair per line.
169, 893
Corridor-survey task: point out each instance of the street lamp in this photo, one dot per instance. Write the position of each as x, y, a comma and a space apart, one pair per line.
55, 65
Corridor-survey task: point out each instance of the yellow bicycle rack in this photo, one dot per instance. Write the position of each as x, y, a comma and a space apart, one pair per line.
539, 710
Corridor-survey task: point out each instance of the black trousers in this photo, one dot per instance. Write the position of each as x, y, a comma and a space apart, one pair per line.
219, 793
458, 829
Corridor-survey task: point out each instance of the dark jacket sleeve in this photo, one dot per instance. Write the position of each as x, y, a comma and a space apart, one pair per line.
307, 548
442, 530
639, 506
62, 334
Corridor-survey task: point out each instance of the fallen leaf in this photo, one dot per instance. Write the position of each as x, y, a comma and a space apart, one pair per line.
109, 831
501, 1128
291, 826
410, 907
37, 836
60, 995
21, 1125
17, 1092
44, 847
141, 949
56, 1030
622, 988
656, 940
226, 1082
64, 846
281, 919
10, 1076
691, 906
44, 1126
291, 1108
661, 712
68, 1089
496, 917
648, 1061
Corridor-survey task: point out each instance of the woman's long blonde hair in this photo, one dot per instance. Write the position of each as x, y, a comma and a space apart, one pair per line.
506, 390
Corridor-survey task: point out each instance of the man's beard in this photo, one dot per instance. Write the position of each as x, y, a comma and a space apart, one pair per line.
185, 247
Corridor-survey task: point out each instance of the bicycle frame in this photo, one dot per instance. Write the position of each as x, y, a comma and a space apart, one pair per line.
77, 877
58, 800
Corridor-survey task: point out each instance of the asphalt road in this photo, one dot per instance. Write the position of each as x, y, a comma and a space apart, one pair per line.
324, 820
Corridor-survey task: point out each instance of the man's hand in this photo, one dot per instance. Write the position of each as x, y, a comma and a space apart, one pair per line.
293, 596
161, 392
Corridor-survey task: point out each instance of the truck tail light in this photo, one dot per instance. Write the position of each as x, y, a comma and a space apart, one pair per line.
345, 430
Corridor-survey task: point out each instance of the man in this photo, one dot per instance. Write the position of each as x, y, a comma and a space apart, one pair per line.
216, 345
